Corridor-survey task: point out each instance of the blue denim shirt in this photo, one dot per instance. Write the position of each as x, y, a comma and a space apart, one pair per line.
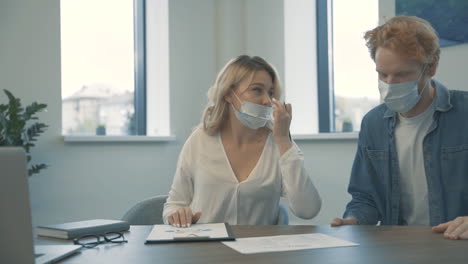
375, 177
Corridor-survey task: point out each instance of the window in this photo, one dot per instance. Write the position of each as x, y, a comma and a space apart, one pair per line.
329, 76
105, 90
353, 71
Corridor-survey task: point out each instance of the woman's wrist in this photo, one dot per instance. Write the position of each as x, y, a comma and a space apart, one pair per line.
284, 144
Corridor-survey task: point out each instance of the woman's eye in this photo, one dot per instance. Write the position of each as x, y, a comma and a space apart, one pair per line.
257, 90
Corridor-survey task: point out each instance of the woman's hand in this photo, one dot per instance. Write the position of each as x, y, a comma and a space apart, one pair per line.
282, 115
183, 217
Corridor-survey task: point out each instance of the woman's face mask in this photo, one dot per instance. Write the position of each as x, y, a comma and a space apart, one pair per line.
253, 115
401, 97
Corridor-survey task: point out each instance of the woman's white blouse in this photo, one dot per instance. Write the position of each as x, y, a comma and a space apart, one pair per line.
205, 182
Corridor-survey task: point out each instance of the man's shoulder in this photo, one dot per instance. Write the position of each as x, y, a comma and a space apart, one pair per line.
459, 103
375, 115
458, 97
373, 128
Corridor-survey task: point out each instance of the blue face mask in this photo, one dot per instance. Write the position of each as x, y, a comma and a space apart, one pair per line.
253, 115
401, 97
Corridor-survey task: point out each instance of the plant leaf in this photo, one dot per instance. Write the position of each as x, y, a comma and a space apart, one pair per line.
32, 109
36, 168
14, 130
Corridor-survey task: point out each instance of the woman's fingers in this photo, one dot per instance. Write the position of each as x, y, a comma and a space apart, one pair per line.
288, 108
183, 217
276, 103
170, 219
196, 217
176, 221
188, 217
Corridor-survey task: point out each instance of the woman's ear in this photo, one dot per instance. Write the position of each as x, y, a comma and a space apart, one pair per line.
228, 97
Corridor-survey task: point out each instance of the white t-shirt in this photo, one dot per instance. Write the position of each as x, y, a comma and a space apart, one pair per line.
205, 182
409, 135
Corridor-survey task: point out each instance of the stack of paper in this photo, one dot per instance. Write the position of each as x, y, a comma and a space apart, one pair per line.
254, 245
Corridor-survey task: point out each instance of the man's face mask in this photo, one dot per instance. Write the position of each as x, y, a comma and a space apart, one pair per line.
253, 115
401, 97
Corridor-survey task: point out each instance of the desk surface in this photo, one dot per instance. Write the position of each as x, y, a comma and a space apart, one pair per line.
378, 244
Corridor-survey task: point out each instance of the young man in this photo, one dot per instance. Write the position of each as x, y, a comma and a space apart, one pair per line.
411, 165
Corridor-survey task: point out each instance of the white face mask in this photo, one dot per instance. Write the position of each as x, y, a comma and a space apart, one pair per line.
253, 115
401, 97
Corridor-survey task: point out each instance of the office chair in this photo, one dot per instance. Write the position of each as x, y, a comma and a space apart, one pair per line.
283, 218
146, 212
149, 212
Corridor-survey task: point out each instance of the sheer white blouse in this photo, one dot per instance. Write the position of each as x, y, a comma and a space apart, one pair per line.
205, 182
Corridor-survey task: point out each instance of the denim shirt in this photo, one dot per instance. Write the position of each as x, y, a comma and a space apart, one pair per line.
375, 177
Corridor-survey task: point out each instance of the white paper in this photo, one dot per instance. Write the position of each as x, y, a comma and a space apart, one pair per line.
254, 245
168, 232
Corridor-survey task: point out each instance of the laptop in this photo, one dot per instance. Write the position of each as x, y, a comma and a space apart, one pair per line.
16, 236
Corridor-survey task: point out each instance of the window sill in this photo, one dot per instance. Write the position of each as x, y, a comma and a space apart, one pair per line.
327, 136
130, 139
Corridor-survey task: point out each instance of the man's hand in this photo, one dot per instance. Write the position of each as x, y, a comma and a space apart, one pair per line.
347, 221
455, 229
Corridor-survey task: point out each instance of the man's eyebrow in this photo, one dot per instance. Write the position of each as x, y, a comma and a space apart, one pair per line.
405, 72
398, 72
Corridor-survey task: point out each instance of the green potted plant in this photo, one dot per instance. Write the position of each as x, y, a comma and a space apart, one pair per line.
19, 127
347, 125
101, 129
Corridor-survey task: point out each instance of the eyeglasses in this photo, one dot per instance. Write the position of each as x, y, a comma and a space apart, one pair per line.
91, 241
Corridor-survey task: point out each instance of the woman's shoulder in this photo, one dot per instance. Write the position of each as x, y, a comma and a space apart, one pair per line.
200, 137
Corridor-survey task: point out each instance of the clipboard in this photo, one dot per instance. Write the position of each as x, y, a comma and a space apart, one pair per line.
194, 233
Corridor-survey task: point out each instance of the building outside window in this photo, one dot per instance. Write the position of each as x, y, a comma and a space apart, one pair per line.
353, 71
98, 69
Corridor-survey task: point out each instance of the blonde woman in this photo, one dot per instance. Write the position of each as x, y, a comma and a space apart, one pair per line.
239, 162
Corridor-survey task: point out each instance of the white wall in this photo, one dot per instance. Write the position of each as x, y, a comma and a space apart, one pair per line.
101, 180
95, 180
253, 27
452, 67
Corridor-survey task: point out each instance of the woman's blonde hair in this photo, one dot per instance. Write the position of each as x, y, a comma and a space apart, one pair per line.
236, 70
410, 36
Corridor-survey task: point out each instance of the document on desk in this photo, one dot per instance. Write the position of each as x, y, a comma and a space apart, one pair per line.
196, 232
253, 245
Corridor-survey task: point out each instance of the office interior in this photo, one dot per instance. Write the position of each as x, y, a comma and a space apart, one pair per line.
91, 180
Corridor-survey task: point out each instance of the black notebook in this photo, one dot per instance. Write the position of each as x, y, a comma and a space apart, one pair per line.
196, 232
82, 228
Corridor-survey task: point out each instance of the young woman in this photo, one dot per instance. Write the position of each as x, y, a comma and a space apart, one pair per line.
240, 160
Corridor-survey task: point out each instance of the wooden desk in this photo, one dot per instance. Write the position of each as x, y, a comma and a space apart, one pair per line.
378, 244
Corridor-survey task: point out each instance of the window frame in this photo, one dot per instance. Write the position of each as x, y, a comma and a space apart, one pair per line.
326, 96
140, 66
